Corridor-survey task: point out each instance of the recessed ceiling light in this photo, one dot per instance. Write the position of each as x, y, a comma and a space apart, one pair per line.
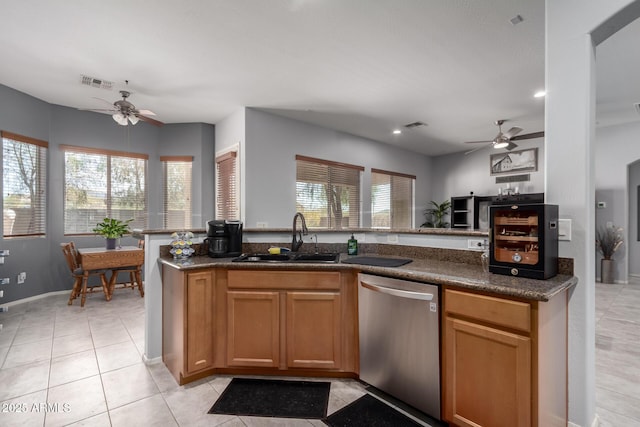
539, 94
397, 132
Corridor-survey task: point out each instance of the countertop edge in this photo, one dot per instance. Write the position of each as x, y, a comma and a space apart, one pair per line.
475, 279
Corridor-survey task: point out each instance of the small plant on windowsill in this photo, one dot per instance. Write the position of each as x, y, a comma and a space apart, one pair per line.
112, 229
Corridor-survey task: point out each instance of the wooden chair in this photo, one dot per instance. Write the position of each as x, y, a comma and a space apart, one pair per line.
80, 279
135, 276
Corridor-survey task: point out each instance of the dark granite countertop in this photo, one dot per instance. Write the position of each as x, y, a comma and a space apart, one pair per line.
426, 270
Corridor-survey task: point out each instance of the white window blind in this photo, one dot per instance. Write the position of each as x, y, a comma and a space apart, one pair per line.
177, 192
101, 183
392, 203
328, 193
227, 187
24, 178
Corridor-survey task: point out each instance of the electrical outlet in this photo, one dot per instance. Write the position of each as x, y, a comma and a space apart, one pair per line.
360, 237
5, 281
475, 244
262, 224
22, 277
392, 238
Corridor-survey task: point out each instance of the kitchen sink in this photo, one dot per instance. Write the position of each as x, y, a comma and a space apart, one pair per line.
262, 258
296, 257
320, 257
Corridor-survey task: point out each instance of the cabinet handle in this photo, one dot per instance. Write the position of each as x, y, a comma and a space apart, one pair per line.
398, 292
200, 362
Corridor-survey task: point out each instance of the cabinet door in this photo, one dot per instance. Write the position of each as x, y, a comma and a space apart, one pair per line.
487, 376
253, 328
199, 313
313, 330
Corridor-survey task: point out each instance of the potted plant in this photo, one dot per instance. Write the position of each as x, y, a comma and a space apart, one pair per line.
112, 229
435, 215
608, 241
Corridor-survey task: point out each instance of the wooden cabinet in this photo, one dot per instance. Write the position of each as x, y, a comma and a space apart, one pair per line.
188, 322
314, 333
504, 361
300, 322
291, 319
253, 328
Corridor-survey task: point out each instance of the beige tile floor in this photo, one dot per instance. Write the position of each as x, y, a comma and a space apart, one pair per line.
66, 365
618, 354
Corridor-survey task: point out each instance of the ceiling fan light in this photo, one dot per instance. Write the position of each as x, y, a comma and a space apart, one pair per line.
133, 119
120, 119
501, 144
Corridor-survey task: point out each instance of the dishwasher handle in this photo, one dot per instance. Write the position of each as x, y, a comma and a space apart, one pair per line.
424, 296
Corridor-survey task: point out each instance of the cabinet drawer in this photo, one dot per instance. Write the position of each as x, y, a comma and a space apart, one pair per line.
511, 314
260, 279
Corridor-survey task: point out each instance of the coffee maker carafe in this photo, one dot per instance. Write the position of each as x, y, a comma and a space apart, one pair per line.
217, 239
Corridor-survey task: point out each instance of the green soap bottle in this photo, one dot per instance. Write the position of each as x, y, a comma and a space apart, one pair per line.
352, 246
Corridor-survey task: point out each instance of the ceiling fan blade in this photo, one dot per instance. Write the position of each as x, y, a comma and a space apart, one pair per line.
511, 146
476, 149
529, 136
149, 120
477, 142
146, 112
512, 132
98, 110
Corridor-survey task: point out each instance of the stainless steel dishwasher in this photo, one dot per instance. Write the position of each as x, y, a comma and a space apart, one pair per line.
399, 340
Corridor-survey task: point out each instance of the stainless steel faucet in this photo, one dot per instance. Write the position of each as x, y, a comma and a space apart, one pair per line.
295, 243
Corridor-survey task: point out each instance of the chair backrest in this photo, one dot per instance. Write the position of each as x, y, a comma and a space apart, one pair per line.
70, 255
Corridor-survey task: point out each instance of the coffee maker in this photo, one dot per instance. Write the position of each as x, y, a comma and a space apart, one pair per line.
234, 233
224, 238
217, 238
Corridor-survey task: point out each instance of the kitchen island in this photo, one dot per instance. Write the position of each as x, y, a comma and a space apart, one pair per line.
503, 339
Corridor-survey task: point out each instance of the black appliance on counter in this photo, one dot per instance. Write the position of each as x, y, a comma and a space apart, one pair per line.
224, 238
524, 240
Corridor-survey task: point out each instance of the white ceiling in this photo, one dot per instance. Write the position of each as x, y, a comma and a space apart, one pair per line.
360, 66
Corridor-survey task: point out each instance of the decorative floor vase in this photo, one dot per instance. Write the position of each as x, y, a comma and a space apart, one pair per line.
606, 270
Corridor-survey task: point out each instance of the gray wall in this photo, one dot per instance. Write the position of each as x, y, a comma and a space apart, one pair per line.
459, 174
272, 143
616, 181
41, 258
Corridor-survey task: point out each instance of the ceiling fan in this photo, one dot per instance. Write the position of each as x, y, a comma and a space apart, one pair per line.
504, 140
124, 112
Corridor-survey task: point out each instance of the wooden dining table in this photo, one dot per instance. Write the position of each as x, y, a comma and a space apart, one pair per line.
112, 259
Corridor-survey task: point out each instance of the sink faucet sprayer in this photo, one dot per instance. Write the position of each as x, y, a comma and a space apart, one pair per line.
295, 243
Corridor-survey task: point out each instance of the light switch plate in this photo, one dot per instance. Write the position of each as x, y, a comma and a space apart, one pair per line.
564, 229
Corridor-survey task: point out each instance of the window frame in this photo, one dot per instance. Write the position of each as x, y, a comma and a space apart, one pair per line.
40, 213
334, 168
108, 201
412, 207
188, 219
232, 152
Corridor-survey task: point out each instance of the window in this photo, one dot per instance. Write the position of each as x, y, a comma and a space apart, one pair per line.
328, 193
101, 183
24, 174
391, 199
177, 192
227, 187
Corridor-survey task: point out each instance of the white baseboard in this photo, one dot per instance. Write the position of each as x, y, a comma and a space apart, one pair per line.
151, 361
35, 297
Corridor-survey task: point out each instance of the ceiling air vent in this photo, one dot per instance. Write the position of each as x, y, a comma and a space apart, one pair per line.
94, 82
414, 125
